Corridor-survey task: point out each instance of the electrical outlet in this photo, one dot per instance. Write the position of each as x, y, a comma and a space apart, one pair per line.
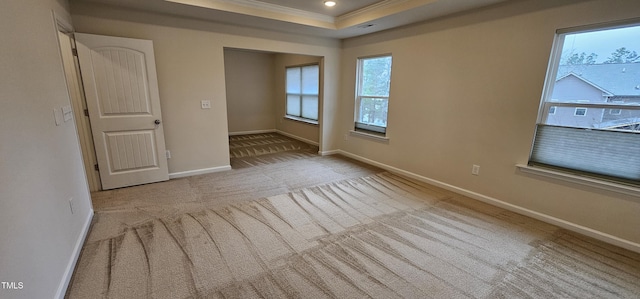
71, 204
475, 170
168, 154
206, 104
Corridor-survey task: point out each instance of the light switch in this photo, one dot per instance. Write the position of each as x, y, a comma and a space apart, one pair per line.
57, 115
206, 104
67, 113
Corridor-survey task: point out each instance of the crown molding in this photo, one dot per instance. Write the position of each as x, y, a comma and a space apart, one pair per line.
282, 9
377, 11
368, 9
256, 8
265, 10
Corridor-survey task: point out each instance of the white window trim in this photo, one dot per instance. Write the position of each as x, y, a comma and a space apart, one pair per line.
619, 111
301, 119
359, 97
578, 179
575, 113
370, 136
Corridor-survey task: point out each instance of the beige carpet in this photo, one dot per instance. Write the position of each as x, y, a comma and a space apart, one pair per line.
267, 148
327, 227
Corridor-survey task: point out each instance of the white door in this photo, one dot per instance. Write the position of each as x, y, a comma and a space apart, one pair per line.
121, 87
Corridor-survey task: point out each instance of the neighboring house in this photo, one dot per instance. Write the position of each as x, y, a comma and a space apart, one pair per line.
594, 85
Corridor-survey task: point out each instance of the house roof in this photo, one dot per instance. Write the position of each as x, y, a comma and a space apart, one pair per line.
618, 79
572, 74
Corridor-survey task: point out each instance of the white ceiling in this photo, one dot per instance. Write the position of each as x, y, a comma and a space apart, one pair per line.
348, 18
317, 6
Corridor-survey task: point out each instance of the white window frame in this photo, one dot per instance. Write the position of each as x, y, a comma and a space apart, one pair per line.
618, 111
301, 95
575, 113
362, 127
604, 181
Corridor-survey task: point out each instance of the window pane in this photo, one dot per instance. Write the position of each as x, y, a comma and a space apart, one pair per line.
310, 79
310, 107
373, 111
596, 68
293, 80
376, 76
293, 105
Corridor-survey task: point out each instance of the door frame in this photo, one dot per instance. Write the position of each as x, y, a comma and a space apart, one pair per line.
82, 122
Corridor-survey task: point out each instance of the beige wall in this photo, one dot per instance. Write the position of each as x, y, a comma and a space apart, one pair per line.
466, 90
190, 65
300, 129
40, 163
249, 80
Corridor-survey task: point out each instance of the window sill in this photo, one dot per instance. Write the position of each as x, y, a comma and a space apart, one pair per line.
587, 181
377, 138
302, 120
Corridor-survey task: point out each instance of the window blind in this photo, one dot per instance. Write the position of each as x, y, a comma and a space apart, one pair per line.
604, 153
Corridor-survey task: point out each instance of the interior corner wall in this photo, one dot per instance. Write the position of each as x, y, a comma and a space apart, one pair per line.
466, 89
40, 163
249, 81
300, 129
190, 65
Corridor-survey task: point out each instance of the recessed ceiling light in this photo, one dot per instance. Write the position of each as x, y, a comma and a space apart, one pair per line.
330, 3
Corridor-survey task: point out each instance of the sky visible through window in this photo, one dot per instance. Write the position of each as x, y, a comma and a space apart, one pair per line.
602, 43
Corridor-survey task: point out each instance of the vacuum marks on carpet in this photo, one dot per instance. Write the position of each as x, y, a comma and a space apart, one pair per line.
267, 148
381, 236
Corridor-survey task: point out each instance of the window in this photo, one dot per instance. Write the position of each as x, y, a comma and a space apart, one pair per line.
580, 112
302, 91
595, 70
372, 94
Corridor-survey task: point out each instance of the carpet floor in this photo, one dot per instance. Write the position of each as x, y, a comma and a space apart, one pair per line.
260, 149
329, 227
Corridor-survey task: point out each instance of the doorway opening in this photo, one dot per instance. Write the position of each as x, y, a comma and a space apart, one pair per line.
266, 116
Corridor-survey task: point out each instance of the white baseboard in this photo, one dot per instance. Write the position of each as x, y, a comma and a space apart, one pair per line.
252, 132
187, 173
331, 152
68, 273
505, 205
298, 138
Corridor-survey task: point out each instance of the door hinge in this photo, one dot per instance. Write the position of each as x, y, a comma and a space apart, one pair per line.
86, 112
74, 52
96, 167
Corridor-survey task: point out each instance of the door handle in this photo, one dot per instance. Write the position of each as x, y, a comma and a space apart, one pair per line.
157, 122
